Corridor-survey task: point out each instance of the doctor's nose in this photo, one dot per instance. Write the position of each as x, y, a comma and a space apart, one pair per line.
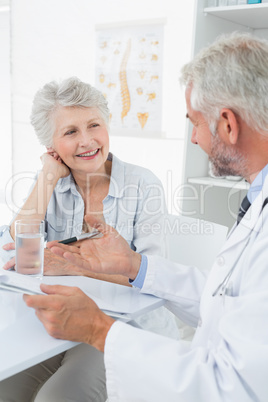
194, 137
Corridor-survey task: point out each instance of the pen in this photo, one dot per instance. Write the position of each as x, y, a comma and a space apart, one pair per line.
80, 237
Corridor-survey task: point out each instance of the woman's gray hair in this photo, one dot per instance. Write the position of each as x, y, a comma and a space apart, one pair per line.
70, 92
231, 73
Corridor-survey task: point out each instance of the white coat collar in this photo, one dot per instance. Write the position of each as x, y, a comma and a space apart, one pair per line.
239, 232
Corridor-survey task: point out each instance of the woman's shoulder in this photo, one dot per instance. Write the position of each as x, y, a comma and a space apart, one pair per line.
141, 173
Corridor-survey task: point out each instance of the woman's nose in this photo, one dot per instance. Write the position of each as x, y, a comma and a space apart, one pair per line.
85, 138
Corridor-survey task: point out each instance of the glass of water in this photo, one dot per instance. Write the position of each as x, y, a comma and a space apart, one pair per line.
29, 242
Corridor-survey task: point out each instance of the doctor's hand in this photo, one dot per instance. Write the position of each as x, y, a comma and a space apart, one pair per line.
68, 313
109, 254
56, 265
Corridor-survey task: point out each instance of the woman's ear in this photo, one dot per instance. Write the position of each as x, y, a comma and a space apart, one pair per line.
50, 149
229, 126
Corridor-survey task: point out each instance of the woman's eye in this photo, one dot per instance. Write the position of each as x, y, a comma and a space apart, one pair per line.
94, 125
70, 132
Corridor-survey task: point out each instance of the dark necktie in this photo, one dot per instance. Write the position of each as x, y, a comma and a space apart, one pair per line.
243, 209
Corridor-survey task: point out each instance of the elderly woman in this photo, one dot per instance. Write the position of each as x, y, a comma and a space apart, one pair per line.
81, 177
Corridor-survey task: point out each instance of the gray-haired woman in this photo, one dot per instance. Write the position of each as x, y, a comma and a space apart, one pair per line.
80, 176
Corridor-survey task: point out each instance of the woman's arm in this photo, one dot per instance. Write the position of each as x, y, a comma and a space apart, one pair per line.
36, 205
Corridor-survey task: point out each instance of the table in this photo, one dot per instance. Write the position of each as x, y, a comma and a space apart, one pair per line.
23, 339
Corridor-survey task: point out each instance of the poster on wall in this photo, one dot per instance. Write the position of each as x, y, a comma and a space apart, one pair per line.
129, 64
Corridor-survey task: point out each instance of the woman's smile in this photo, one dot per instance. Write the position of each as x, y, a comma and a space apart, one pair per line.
88, 154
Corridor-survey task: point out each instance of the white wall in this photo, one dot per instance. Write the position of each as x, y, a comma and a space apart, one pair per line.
54, 39
5, 109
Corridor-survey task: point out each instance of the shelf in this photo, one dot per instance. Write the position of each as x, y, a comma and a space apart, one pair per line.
239, 185
253, 16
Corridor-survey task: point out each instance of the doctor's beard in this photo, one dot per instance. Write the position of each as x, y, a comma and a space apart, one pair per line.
225, 160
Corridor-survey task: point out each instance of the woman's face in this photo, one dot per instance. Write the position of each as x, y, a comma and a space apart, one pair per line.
81, 139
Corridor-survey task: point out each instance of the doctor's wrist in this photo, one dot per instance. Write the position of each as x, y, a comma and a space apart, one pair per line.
101, 328
135, 265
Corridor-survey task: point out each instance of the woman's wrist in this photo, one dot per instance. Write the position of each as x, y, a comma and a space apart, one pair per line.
51, 175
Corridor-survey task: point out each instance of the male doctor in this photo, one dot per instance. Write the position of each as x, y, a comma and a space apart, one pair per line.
227, 103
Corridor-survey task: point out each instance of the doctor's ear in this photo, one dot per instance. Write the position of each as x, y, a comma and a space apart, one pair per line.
229, 125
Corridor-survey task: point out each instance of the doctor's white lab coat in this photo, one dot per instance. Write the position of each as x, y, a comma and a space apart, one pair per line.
228, 357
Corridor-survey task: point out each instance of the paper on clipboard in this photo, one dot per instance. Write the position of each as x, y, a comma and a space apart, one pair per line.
115, 300
20, 283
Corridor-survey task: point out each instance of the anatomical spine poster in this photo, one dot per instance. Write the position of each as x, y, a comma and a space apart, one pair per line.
129, 62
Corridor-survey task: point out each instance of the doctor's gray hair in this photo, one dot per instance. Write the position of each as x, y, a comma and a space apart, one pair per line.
70, 92
231, 73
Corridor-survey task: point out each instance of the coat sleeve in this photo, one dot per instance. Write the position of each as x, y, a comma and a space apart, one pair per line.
142, 366
228, 362
180, 285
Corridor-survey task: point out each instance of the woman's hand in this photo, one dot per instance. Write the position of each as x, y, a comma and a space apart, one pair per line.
11, 263
52, 163
56, 265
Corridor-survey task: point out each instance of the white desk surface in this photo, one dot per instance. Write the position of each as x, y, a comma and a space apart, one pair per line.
23, 340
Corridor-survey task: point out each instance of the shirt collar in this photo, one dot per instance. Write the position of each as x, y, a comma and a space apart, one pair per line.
117, 180
257, 184
67, 183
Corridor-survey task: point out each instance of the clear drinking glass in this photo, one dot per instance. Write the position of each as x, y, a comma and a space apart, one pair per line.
29, 241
